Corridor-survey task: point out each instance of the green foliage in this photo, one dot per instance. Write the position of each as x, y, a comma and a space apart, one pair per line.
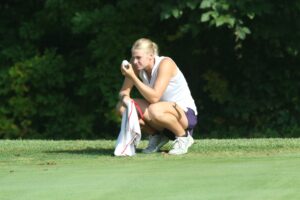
66, 86
216, 86
216, 13
59, 64
248, 77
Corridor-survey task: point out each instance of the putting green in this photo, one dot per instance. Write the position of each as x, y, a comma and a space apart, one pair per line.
83, 170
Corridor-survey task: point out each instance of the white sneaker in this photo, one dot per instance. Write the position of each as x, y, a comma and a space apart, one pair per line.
180, 145
155, 143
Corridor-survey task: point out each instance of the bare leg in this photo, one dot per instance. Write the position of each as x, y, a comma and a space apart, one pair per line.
159, 116
167, 115
145, 126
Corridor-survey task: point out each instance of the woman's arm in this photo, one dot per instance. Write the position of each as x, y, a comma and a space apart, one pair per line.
124, 94
166, 70
126, 88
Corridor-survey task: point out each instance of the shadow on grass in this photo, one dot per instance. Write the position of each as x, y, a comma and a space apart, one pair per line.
87, 151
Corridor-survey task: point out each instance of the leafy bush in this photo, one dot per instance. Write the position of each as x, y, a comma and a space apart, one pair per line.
59, 74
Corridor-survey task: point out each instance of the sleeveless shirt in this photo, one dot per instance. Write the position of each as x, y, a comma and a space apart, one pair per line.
177, 90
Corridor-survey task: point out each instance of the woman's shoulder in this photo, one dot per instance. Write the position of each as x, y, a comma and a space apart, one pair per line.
167, 61
167, 64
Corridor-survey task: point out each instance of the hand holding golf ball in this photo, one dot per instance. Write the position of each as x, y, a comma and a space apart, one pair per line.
125, 63
126, 69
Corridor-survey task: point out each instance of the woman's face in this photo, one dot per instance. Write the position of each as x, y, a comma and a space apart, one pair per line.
141, 59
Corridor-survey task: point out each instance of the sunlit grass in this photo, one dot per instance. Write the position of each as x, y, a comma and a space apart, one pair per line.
213, 169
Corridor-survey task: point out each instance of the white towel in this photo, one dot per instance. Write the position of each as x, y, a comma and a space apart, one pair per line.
130, 133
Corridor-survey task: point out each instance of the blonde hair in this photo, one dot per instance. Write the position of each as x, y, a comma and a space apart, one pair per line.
147, 44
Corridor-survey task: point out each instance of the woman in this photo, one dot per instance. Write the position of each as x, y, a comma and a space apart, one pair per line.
167, 102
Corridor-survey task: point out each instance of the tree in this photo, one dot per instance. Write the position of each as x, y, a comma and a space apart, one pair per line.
60, 64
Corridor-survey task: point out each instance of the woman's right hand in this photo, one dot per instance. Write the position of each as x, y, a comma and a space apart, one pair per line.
125, 100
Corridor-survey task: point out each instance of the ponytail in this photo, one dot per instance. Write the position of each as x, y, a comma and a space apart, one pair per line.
147, 44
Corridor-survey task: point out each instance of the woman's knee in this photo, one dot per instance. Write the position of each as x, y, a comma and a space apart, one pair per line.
155, 112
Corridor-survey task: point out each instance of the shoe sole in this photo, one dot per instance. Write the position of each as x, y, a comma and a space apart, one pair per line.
176, 154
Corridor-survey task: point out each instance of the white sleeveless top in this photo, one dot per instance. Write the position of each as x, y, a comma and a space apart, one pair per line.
177, 90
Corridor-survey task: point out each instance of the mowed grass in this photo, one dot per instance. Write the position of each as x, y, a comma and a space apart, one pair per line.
212, 170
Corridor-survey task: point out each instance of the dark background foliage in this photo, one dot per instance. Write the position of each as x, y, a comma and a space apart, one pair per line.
59, 64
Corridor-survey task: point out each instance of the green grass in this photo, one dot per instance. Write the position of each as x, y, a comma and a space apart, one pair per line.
213, 169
